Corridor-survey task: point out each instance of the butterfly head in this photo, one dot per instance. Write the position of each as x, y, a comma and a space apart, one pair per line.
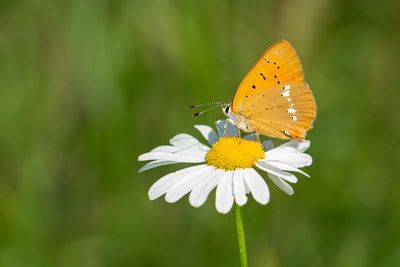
237, 119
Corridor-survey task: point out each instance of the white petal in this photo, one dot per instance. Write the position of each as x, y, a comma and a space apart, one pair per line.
296, 159
195, 151
302, 146
161, 187
224, 194
284, 186
154, 164
250, 137
201, 191
268, 145
187, 144
298, 146
276, 171
186, 184
286, 167
291, 151
178, 157
208, 133
166, 149
220, 124
258, 187
246, 187
239, 189
183, 141
231, 130
300, 160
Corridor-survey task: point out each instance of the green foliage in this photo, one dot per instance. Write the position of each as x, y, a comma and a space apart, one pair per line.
87, 86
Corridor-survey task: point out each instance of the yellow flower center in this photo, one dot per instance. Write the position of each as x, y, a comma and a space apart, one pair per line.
230, 153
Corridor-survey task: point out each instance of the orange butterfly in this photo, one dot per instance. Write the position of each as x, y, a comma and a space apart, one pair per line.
273, 98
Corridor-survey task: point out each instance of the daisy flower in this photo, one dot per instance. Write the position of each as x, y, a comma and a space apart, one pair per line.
229, 164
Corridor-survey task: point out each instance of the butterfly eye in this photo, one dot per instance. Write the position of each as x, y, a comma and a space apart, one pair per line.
227, 109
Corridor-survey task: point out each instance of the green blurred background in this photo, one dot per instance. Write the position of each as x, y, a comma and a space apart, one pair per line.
87, 86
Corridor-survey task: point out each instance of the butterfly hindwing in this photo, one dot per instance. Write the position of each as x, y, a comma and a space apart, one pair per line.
285, 111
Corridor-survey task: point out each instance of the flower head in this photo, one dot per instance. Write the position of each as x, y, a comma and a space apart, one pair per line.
231, 153
229, 165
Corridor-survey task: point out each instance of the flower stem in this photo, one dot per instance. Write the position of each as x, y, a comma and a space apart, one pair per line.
241, 238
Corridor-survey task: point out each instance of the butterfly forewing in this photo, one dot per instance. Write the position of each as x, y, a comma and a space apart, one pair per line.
277, 66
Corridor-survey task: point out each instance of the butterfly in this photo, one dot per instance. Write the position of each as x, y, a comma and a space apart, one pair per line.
273, 99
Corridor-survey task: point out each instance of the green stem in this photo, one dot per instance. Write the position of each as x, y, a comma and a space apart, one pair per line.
241, 238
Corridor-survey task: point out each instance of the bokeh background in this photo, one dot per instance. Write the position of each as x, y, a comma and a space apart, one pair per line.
87, 86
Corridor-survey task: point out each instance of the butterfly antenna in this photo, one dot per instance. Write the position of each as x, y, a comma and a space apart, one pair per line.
206, 104
204, 111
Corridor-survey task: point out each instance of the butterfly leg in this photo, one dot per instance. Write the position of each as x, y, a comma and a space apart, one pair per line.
226, 126
239, 135
238, 130
258, 136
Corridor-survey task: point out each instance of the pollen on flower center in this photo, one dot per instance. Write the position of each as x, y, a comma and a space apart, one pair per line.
230, 153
